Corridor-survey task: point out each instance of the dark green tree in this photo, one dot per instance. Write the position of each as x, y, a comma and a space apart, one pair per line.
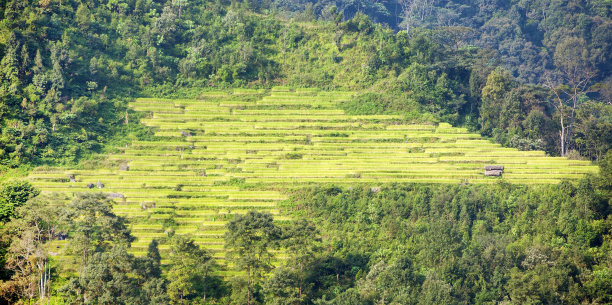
248, 240
105, 279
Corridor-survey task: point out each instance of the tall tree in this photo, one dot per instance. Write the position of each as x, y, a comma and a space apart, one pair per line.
248, 240
107, 278
153, 285
415, 11
92, 226
499, 82
568, 83
190, 268
30, 232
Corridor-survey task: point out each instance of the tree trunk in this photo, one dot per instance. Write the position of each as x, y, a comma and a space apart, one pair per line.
249, 286
562, 134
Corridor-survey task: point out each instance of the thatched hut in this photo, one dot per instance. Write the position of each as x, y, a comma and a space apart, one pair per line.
493, 173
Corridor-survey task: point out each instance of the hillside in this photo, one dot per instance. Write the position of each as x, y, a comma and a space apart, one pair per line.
305, 152
230, 152
69, 68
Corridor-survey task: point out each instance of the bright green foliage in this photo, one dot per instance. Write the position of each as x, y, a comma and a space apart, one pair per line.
148, 268
288, 284
108, 273
13, 195
105, 279
605, 180
285, 286
190, 274
92, 225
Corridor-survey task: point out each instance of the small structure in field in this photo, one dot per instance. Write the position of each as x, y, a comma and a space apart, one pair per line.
116, 196
100, 185
494, 170
147, 205
494, 173
71, 177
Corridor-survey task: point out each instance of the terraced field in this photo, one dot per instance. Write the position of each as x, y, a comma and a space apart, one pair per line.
228, 153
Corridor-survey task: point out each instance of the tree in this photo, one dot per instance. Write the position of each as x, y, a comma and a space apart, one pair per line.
435, 290
282, 286
288, 284
30, 232
248, 240
415, 11
105, 279
13, 195
593, 129
91, 223
190, 268
499, 82
301, 239
568, 84
153, 285
83, 16
9, 72
604, 182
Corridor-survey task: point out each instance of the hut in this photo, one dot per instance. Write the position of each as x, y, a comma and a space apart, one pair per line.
493, 173
493, 170
116, 196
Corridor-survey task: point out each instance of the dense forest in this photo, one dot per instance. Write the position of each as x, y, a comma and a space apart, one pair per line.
533, 75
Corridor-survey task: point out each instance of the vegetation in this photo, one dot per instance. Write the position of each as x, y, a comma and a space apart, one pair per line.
305, 152
205, 201
419, 244
69, 67
401, 243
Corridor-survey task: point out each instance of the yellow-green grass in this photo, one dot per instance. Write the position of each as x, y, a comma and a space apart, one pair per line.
242, 152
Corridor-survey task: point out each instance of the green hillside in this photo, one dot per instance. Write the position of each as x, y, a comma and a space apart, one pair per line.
230, 152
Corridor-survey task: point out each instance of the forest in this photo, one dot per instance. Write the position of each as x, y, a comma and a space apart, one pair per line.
528, 75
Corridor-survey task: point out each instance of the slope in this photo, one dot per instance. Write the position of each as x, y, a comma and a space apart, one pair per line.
229, 152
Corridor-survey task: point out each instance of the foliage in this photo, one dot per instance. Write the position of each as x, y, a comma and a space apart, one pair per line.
92, 225
249, 239
27, 257
68, 66
12, 195
460, 244
190, 272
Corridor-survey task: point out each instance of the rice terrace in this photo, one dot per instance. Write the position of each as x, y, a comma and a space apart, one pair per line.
232, 151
